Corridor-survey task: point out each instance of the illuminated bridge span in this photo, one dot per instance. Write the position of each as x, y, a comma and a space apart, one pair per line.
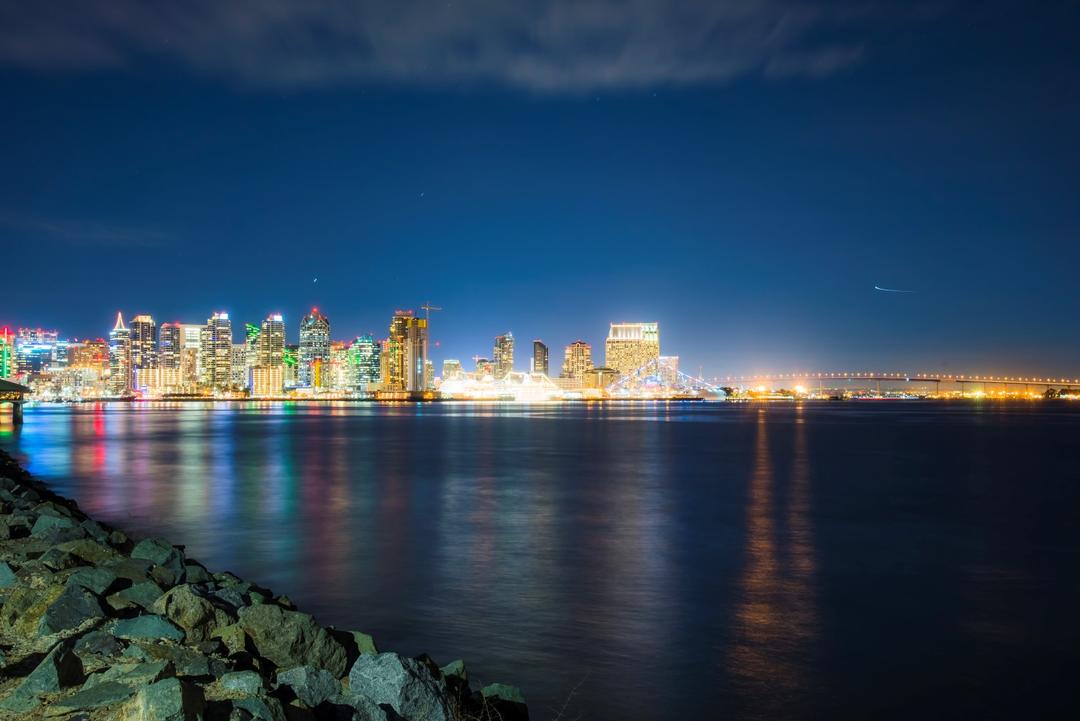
658, 377
879, 377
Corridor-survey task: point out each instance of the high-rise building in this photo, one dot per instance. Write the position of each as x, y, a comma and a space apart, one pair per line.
270, 345
314, 349
577, 359
364, 359
291, 356
144, 342
539, 357
170, 343
629, 346
216, 353
191, 362
120, 358
89, 355
429, 374
451, 370
406, 350
484, 366
7, 353
504, 355
35, 351
239, 374
266, 356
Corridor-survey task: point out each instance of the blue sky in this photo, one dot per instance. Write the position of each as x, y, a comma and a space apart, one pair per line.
745, 174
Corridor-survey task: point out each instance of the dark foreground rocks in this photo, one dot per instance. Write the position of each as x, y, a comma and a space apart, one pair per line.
97, 626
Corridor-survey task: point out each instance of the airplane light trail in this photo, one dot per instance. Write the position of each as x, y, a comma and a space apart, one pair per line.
891, 290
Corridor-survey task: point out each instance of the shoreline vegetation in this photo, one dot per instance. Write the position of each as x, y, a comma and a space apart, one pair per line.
98, 626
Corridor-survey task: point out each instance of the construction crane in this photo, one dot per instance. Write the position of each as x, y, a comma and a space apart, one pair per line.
428, 307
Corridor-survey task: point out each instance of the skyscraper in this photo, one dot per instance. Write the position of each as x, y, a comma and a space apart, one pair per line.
629, 346
451, 370
191, 362
504, 355
406, 349
577, 359
144, 342
539, 357
216, 352
120, 358
7, 354
314, 349
170, 343
270, 344
364, 358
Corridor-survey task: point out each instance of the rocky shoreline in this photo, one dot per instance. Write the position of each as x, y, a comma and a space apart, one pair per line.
95, 625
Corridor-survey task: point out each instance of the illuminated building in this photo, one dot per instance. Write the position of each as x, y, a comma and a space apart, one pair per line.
406, 350
170, 343
484, 366
216, 353
238, 366
267, 380
120, 358
292, 365
89, 355
35, 351
7, 355
190, 354
668, 370
144, 342
504, 355
270, 346
630, 346
600, 378
451, 370
429, 374
364, 356
314, 349
266, 356
539, 357
577, 359
340, 376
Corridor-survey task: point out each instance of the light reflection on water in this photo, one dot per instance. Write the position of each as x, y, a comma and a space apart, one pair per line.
676, 560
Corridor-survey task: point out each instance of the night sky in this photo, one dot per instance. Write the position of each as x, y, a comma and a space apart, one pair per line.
743, 173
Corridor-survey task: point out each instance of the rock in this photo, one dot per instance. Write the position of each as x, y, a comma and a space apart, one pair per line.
247, 683
72, 609
46, 523
406, 685
23, 609
141, 594
7, 576
290, 638
505, 702
168, 700
312, 686
89, 551
266, 708
59, 560
167, 559
59, 669
104, 694
232, 636
98, 580
98, 643
133, 569
196, 573
147, 626
190, 611
186, 661
231, 596
456, 670
135, 675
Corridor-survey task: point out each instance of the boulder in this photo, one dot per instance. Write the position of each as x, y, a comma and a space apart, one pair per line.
312, 686
135, 674
24, 607
98, 643
7, 576
73, 608
85, 699
291, 638
167, 559
133, 569
232, 636
147, 626
187, 661
191, 611
98, 580
195, 572
60, 669
59, 560
406, 685
90, 551
168, 700
456, 670
266, 708
505, 702
141, 594
246, 683
44, 524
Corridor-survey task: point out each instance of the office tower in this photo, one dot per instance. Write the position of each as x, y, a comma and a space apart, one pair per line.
144, 342
364, 358
238, 366
216, 353
406, 349
539, 357
270, 344
451, 370
429, 374
629, 346
314, 349
600, 378
7, 353
191, 354
34, 352
504, 355
484, 366
577, 359
120, 358
291, 356
90, 355
170, 343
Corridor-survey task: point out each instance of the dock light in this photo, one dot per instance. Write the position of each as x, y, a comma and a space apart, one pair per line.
801, 390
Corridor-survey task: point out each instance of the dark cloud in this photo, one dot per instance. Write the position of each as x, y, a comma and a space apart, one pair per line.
562, 45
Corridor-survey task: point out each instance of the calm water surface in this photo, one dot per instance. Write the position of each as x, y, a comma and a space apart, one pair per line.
667, 561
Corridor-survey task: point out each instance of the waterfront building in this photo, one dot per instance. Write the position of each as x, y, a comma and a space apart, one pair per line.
577, 359
267, 380
35, 351
158, 381
429, 374
144, 342
668, 370
600, 378
120, 358
630, 346
539, 357
504, 355
216, 353
451, 370
89, 355
238, 366
339, 371
270, 343
170, 344
364, 358
406, 350
484, 366
314, 349
7, 353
